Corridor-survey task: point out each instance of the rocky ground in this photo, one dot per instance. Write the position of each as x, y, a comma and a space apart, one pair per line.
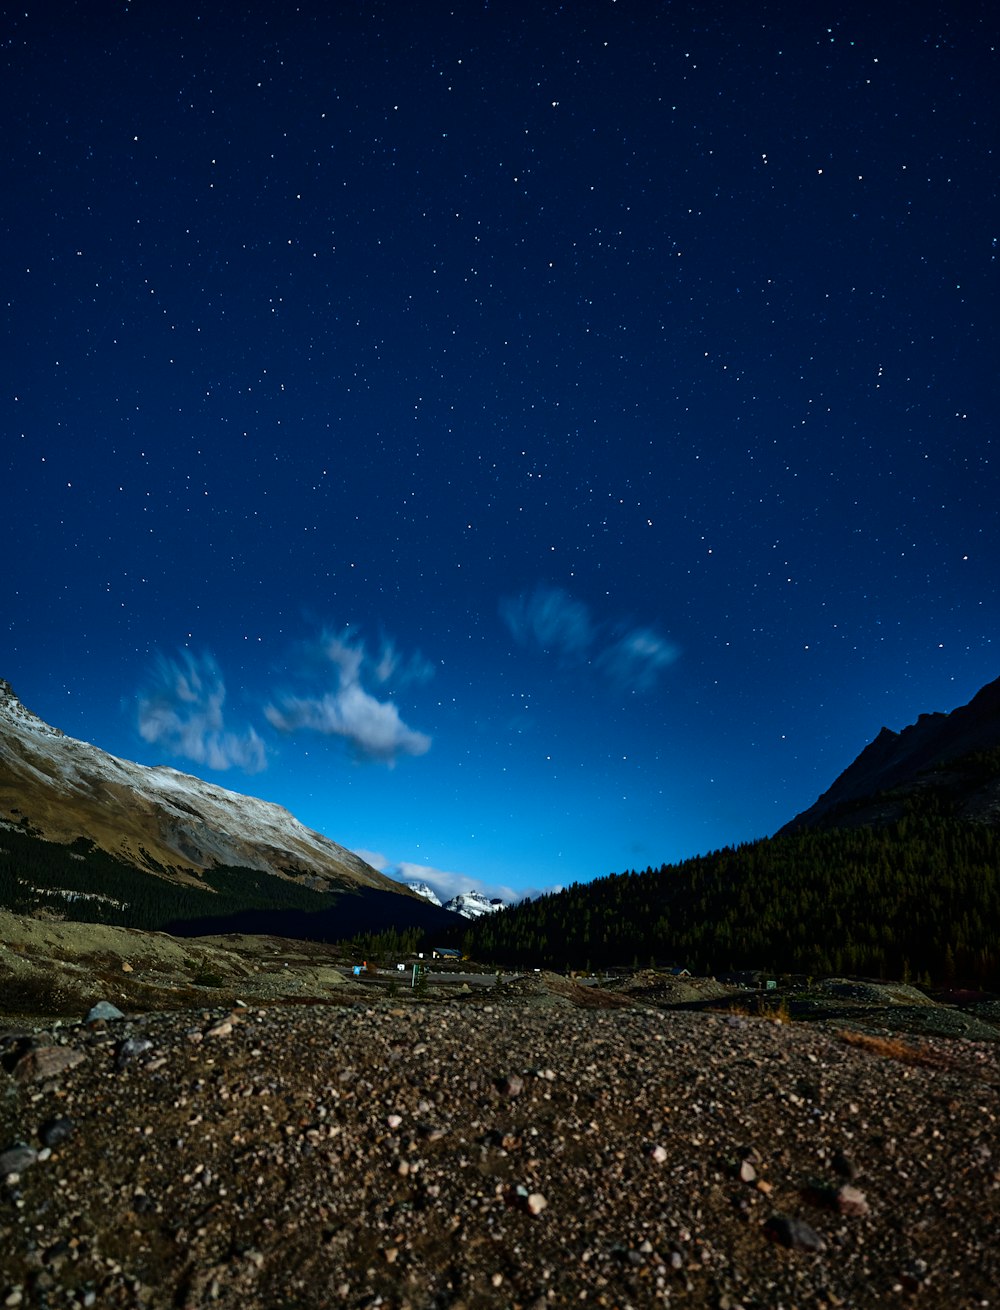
260, 1129
493, 1151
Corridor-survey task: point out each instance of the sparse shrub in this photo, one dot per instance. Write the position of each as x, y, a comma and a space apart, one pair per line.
895, 1048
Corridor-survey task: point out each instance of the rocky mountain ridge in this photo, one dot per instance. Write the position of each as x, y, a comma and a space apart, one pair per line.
947, 753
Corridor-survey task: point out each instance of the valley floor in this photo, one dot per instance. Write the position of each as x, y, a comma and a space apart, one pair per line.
485, 1152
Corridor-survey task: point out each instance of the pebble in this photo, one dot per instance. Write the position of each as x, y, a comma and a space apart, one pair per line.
129, 1049
16, 1159
852, 1201
103, 1010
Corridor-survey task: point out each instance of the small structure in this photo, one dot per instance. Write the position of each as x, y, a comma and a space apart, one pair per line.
445, 953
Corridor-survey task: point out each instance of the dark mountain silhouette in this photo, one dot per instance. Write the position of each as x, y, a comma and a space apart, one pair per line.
950, 755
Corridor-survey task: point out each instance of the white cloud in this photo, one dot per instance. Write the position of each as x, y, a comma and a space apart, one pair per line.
373, 728
182, 710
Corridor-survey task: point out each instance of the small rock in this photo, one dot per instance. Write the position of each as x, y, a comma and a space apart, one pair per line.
126, 967
130, 1048
16, 1159
658, 1154
46, 1062
851, 1201
512, 1085
103, 1010
748, 1174
535, 1203
394, 1120
222, 1029
794, 1233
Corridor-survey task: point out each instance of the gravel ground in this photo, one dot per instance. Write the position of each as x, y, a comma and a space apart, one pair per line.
494, 1155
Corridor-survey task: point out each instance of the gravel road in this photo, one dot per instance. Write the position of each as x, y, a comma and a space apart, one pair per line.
466, 1154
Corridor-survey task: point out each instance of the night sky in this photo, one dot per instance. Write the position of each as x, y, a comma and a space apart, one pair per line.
527, 440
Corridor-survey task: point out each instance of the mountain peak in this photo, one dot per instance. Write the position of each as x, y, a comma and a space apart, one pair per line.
18, 713
898, 762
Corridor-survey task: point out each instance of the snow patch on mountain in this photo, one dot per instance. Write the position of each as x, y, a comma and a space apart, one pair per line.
473, 905
428, 893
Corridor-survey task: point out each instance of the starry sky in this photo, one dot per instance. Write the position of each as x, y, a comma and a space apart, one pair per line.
527, 440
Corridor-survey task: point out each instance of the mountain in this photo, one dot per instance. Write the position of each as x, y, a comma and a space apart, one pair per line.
473, 905
167, 825
950, 760
893, 873
470, 905
428, 893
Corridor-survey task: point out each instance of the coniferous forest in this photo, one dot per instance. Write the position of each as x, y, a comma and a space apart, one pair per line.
919, 899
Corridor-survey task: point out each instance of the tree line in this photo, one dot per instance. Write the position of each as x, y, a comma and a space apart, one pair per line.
917, 899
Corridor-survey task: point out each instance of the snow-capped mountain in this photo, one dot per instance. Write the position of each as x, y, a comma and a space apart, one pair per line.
473, 905
428, 893
156, 819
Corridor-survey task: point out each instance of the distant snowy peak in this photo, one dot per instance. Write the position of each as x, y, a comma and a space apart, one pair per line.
473, 905
426, 892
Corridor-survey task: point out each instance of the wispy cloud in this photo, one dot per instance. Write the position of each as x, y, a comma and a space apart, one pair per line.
636, 660
551, 620
372, 727
182, 711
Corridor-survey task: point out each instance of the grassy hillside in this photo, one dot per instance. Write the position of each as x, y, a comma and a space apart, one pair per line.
84, 884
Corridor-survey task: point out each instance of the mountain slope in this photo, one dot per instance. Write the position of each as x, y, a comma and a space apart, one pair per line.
948, 754
157, 820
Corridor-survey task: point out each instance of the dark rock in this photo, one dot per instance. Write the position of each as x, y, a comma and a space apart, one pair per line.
54, 1131
844, 1166
794, 1233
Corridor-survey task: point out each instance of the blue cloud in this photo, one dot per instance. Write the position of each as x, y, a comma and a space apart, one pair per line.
549, 618
553, 621
182, 710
